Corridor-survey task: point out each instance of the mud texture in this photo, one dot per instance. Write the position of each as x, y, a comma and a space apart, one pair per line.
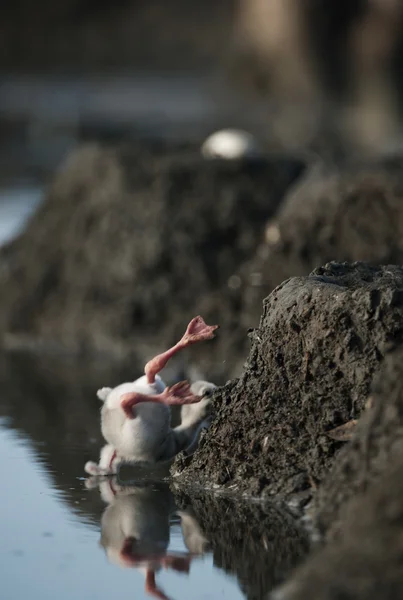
366, 562
260, 545
129, 245
353, 213
378, 443
321, 339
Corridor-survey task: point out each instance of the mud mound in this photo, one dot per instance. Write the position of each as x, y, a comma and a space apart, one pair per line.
367, 561
258, 544
377, 443
354, 214
130, 244
321, 339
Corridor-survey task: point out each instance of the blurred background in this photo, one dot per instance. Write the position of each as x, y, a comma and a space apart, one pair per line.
323, 74
310, 79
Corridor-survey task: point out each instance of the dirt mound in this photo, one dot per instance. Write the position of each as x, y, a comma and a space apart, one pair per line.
129, 245
377, 443
321, 339
359, 505
367, 560
258, 544
352, 214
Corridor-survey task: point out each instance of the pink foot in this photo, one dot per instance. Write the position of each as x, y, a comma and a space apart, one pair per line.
151, 587
179, 394
197, 331
175, 395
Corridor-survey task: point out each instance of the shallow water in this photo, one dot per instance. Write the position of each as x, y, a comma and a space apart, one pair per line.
50, 550
51, 531
17, 203
52, 524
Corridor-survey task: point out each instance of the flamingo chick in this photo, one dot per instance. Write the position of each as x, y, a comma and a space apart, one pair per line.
136, 416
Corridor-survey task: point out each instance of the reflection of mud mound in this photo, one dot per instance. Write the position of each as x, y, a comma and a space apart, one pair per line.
377, 443
128, 246
355, 214
320, 340
367, 560
259, 545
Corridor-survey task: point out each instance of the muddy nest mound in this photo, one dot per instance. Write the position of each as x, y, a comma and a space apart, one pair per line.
377, 443
367, 560
351, 214
258, 544
129, 245
320, 340
360, 505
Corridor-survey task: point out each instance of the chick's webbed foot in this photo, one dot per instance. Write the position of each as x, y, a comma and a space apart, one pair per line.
196, 331
176, 395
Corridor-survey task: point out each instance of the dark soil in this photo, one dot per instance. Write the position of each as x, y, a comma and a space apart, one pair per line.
367, 560
359, 506
258, 544
321, 339
377, 444
129, 245
351, 214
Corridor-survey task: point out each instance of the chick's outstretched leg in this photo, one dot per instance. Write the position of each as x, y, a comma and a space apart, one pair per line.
197, 331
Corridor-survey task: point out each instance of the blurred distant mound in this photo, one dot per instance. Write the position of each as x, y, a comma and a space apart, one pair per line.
352, 213
130, 244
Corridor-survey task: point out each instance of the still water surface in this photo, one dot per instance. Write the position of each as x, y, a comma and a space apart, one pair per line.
49, 550
17, 203
64, 536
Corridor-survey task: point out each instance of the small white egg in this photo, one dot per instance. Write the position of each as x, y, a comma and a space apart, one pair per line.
230, 144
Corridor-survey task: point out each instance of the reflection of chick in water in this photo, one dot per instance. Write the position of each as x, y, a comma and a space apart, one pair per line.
135, 530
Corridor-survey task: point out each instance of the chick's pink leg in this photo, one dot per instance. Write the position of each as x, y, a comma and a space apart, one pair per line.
151, 586
197, 331
176, 395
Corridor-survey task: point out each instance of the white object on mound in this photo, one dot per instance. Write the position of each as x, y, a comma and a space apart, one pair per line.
230, 144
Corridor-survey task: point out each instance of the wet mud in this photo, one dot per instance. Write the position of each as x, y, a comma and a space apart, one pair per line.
375, 447
365, 562
320, 341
